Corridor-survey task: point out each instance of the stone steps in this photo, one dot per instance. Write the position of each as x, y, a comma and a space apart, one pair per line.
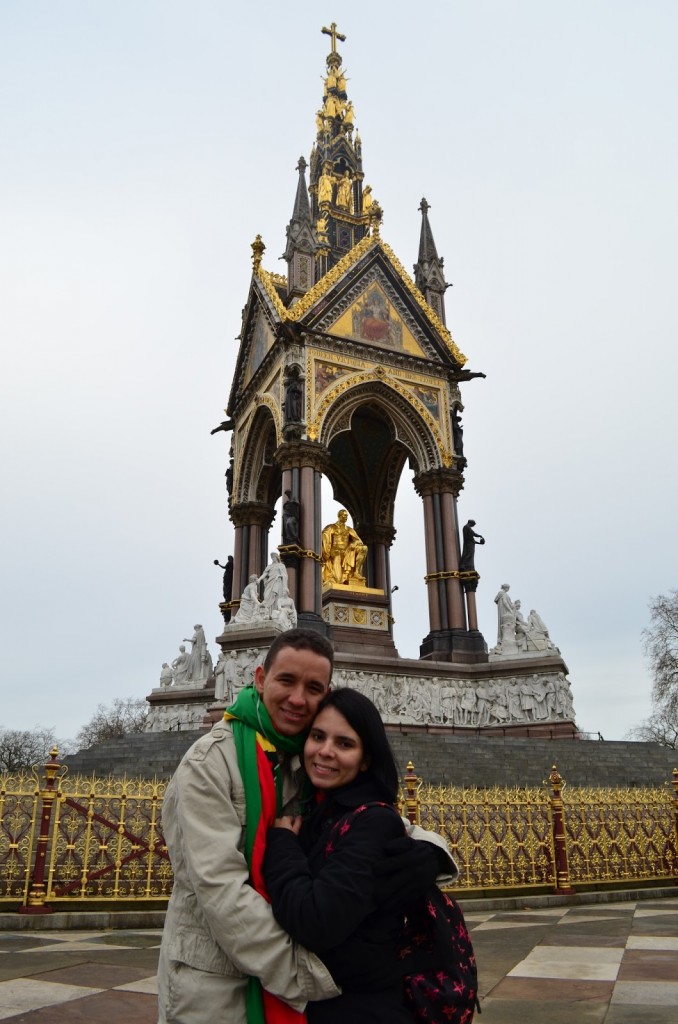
456, 760
487, 761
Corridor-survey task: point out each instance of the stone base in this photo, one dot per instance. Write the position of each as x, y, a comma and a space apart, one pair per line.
174, 709
358, 620
463, 645
525, 698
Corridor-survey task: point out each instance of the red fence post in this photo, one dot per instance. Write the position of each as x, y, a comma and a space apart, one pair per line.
411, 795
562, 885
35, 900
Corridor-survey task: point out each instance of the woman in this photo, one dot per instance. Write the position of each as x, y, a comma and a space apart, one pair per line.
320, 872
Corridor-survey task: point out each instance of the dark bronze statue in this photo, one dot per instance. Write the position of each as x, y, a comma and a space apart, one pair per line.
468, 552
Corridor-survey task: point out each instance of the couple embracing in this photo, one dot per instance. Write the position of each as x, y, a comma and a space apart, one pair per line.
291, 869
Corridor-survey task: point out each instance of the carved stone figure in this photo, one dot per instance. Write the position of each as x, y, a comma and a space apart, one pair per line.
506, 632
344, 192
538, 632
251, 609
520, 627
343, 553
468, 553
291, 513
294, 392
457, 434
274, 581
180, 666
286, 614
166, 675
220, 682
200, 661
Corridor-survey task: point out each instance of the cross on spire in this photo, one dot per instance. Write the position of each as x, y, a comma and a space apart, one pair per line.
332, 31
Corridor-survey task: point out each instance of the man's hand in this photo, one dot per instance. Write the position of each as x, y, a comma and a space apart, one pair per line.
292, 822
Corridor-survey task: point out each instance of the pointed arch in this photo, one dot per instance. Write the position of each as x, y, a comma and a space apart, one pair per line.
259, 477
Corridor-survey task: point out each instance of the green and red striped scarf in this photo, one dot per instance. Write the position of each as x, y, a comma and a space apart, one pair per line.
255, 736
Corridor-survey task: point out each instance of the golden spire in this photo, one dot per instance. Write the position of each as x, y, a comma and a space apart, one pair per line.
258, 250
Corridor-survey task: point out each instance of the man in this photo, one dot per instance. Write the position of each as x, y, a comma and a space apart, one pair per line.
219, 930
220, 935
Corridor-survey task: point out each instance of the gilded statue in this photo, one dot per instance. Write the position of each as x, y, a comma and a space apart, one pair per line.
331, 107
344, 191
343, 554
325, 186
367, 198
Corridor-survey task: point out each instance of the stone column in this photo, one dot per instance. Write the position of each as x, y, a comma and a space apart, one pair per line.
379, 537
449, 638
302, 463
252, 522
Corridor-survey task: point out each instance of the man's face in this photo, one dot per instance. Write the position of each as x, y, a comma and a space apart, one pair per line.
292, 688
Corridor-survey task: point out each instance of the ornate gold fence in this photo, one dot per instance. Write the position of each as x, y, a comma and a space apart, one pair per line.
66, 839
554, 837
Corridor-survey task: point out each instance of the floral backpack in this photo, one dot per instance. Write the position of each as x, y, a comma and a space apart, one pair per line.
435, 949
441, 980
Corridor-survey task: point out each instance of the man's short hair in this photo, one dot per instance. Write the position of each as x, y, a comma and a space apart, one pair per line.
301, 640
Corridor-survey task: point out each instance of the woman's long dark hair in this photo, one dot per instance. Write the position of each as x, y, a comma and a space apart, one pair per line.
362, 715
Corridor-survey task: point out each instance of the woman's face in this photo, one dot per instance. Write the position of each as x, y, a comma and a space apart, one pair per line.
333, 754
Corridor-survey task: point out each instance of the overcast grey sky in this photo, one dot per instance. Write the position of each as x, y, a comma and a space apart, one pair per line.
144, 144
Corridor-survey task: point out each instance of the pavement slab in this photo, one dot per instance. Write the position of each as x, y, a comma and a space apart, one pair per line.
596, 964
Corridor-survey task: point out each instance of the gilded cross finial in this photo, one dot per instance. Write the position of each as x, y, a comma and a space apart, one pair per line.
258, 250
332, 31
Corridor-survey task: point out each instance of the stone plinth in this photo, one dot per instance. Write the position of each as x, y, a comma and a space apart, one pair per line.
358, 620
176, 708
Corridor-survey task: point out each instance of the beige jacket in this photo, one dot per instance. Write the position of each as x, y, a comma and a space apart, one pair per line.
218, 930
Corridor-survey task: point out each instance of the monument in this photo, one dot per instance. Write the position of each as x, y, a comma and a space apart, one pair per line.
348, 370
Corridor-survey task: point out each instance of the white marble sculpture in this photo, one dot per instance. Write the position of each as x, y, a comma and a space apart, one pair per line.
276, 606
274, 582
538, 633
180, 666
200, 660
251, 609
515, 635
286, 614
506, 627
166, 675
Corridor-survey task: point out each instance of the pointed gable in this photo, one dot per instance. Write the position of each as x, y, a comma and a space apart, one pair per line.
369, 298
373, 318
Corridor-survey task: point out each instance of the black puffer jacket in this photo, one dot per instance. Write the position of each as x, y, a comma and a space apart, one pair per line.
322, 890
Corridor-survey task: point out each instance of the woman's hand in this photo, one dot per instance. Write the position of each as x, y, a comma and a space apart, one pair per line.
292, 822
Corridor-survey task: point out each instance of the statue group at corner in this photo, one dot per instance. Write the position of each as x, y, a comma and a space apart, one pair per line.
275, 603
515, 635
189, 669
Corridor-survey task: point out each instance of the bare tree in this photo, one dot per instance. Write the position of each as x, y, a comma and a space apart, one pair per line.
22, 748
661, 727
124, 715
661, 647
